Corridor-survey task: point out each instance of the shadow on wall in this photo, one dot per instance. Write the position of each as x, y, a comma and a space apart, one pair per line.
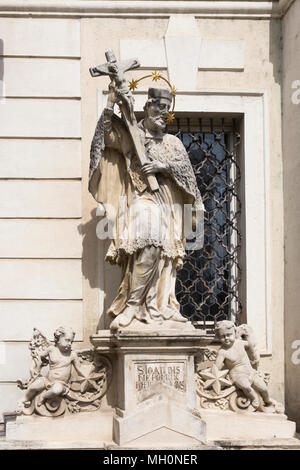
99, 273
275, 49
103, 279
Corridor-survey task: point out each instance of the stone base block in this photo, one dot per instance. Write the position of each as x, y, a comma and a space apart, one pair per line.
227, 425
161, 428
172, 422
156, 386
93, 426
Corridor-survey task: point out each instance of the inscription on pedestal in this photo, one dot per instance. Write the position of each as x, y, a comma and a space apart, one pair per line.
154, 376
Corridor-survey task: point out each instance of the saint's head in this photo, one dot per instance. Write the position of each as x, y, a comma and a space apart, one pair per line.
157, 108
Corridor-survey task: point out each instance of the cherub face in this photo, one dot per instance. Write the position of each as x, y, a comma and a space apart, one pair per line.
226, 336
65, 342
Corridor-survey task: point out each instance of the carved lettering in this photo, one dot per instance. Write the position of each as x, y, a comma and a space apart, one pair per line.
150, 376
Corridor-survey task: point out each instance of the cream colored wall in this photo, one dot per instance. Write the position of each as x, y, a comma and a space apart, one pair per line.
40, 189
291, 173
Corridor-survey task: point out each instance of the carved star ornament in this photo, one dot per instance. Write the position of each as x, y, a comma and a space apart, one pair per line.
90, 382
215, 379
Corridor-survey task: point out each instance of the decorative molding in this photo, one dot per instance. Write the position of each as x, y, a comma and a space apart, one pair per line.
171, 52
284, 6
150, 8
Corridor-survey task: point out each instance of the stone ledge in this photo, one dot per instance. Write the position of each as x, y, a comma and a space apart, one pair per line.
275, 444
76, 445
81, 8
162, 340
257, 444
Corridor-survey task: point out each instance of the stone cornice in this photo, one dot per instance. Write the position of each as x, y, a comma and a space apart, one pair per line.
284, 5
145, 8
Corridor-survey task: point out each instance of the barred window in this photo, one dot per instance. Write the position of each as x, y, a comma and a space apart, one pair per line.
208, 285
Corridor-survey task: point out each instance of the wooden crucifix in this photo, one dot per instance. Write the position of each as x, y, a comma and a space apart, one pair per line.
116, 73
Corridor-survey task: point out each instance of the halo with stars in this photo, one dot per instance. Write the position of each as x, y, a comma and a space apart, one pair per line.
155, 77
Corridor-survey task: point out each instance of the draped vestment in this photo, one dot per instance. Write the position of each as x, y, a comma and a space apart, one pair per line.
148, 241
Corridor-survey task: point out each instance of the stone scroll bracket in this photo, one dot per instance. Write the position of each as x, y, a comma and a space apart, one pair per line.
183, 51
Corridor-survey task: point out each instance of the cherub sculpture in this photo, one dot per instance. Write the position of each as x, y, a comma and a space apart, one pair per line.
235, 354
233, 381
51, 385
60, 358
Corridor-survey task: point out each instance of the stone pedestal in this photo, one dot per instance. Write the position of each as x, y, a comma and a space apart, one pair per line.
155, 383
228, 426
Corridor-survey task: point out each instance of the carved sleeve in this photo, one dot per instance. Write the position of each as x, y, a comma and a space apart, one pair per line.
111, 138
181, 170
104, 136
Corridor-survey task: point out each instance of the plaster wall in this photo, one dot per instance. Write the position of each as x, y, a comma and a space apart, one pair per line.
40, 188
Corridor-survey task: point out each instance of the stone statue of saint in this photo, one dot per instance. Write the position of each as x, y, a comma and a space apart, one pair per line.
149, 239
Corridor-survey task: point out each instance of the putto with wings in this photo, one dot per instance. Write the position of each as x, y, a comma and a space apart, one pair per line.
62, 379
233, 382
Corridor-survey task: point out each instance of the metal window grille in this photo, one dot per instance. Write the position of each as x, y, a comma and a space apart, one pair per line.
207, 286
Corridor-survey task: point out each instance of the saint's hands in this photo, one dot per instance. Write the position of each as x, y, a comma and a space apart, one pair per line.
154, 167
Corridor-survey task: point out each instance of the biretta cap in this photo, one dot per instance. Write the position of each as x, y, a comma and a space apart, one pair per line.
162, 94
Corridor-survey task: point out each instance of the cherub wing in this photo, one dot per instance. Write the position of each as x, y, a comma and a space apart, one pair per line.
39, 343
245, 332
38, 346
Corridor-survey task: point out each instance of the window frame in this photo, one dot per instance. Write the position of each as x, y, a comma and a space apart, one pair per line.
252, 106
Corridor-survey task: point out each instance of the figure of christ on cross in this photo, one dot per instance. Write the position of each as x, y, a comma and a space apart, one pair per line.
120, 93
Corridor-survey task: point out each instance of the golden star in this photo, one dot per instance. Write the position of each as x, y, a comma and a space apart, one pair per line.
215, 378
170, 118
156, 76
133, 84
